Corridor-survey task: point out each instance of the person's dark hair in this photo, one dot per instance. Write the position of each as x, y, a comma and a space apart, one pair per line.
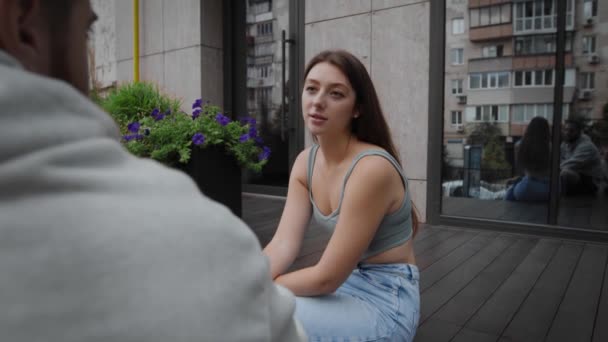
370, 126
534, 151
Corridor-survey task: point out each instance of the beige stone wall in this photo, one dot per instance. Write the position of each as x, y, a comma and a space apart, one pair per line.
181, 46
392, 39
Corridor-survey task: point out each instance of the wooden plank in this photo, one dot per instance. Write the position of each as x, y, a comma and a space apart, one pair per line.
600, 332
464, 305
468, 335
436, 331
498, 310
440, 269
576, 314
434, 240
430, 256
438, 294
532, 321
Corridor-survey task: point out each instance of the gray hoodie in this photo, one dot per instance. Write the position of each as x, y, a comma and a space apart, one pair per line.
583, 157
97, 245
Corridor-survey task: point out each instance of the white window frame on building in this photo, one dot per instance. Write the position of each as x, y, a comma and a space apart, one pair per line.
523, 113
587, 81
589, 44
264, 70
488, 113
489, 80
457, 56
457, 86
539, 44
492, 51
533, 78
534, 16
490, 15
589, 8
457, 26
264, 29
456, 118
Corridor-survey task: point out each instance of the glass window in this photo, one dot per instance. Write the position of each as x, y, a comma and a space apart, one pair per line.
457, 56
590, 8
457, 87
484, 16
503, 80
587, 80
474, 17
588, 44
456, 118
505, 13
474, 81
457, 25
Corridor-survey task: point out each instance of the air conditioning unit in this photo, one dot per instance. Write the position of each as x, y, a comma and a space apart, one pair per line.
585, 95
462, 99
588, 22
593, 58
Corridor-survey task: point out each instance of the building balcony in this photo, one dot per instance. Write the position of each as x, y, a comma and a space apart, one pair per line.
517, 95
483, 3
540, 61
492, 32
525, 62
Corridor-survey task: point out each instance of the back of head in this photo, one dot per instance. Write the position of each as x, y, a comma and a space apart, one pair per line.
48, 37
534, 151
370, 126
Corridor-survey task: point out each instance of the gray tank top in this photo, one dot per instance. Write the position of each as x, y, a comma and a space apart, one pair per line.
395, 229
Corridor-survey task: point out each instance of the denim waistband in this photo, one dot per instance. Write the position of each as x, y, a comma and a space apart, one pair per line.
407, 271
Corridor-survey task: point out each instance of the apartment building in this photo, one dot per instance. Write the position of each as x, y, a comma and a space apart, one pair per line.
500, 66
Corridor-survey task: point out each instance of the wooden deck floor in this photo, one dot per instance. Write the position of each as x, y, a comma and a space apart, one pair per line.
488, 286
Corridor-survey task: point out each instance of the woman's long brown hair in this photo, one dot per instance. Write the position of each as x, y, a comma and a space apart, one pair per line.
370, 126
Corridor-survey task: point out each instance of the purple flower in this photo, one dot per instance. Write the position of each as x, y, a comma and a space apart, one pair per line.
198, 139
128, 137
248, 120
197, 103
222, 119
196, 113
132, 137
244, 137
259, 140
157, 115
265, 153
133, 127
253, 132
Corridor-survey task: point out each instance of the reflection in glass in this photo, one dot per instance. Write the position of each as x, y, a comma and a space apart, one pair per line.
265, 21
497, 126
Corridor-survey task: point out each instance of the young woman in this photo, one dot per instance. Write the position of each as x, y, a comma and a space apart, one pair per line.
365, 286
533, 158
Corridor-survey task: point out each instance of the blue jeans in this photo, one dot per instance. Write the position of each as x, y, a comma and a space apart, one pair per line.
529, 189
376, 303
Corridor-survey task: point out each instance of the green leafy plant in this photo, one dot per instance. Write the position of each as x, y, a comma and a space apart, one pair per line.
133, 101
154, 127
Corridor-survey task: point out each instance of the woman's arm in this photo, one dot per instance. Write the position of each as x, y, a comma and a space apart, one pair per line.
286, 242
366, 200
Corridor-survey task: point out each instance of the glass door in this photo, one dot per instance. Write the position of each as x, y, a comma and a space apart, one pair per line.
270, 60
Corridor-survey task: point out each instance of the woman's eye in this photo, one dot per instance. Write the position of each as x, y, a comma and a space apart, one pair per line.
309, 89
336, 94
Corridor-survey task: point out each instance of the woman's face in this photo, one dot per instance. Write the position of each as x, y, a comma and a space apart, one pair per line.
328, 100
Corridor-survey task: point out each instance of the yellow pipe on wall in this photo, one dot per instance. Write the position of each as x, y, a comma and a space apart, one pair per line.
136, 40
